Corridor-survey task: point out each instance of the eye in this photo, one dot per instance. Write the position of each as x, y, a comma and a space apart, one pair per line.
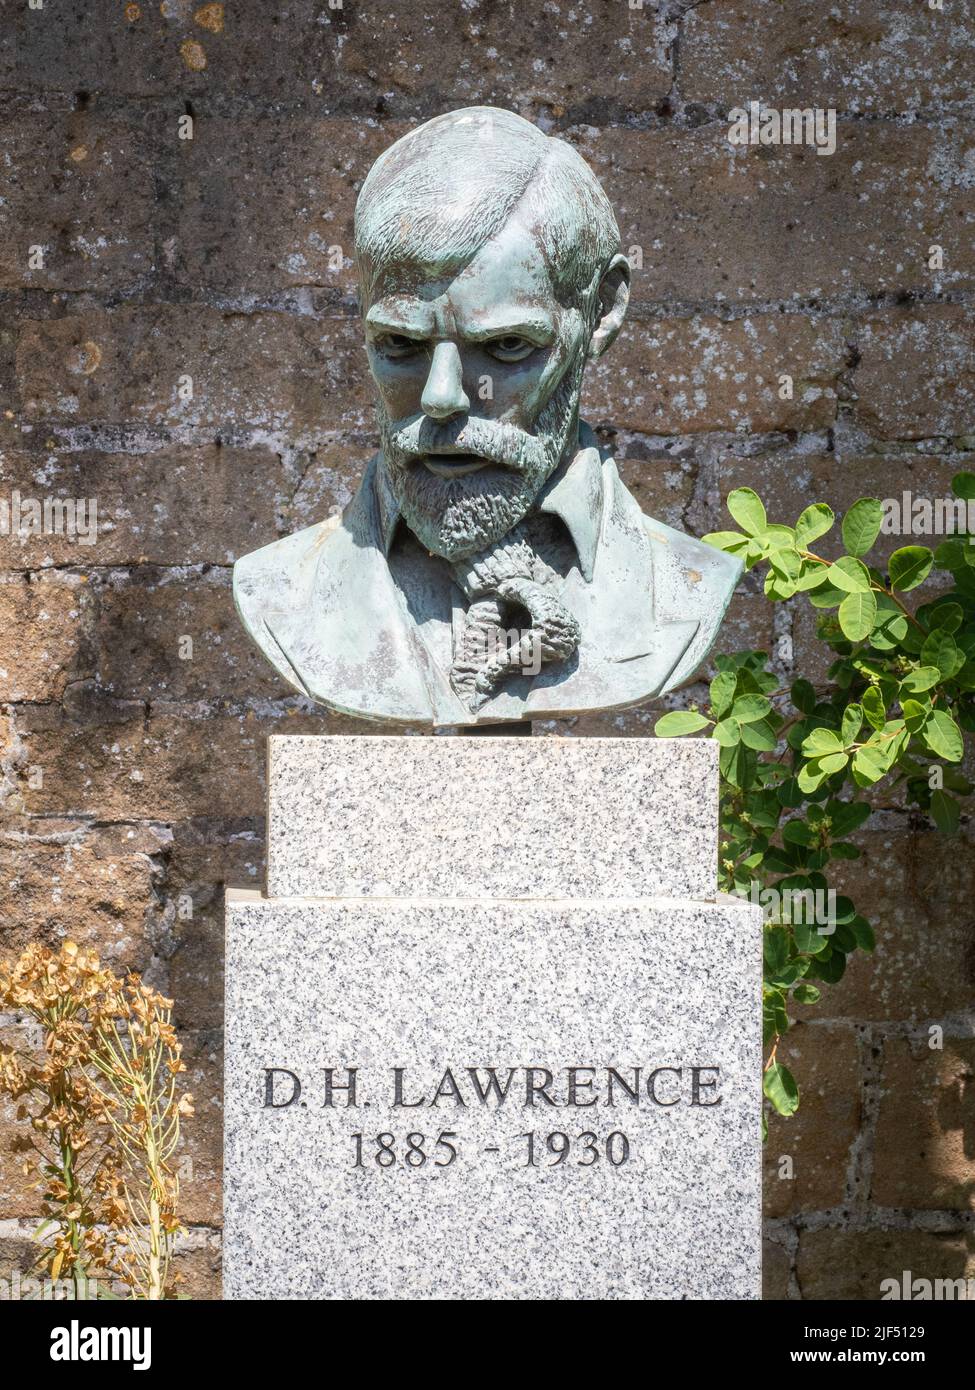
397, 345
510, 348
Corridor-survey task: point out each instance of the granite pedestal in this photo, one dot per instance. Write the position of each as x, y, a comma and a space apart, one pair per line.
491, 1033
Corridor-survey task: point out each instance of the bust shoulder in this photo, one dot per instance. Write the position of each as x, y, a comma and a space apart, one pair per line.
691, 580
277, 580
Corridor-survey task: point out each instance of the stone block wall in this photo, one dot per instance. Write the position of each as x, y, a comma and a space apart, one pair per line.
179, 342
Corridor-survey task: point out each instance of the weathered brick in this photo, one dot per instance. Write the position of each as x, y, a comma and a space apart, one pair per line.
662, 484
714, 222
329, 480
819, 1137
167, 769
167, 506
267, 370
916, 374
894, 55
923, 1153
915, 888
199, 869
42, 619
853, 1264
199, 1156
703, 373
231, 236
408, 58
81, 187
197, 1263
175, 635
776, 1271
18, 1169
17, 1255
65, 881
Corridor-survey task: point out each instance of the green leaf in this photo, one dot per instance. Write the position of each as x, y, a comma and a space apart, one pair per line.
861, 525
832, 762
797, 832
722, 692
780, 1087
803, 696
759, 736
849, 575
852, 723
830, 967
863, 932
914, 714
945, 812
963, 485
776, 947
891, 625
857, 615
846, 816
827, 596
909, 566
921, 678
814, 522
679, 721
941, 650
732, 541
809, 939
810, 776
943, 614
873, 707
942, 735
806, 994
779, 538
869, 766
748, 510
820, 742
738, 766
727, 732
811, 576
966, 676
748, 709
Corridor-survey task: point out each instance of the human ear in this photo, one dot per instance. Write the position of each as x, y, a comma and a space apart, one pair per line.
612, 299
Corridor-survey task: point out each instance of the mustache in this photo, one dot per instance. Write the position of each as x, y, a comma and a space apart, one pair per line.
503, 444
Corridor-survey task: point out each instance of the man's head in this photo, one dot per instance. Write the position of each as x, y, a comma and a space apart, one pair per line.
491, 271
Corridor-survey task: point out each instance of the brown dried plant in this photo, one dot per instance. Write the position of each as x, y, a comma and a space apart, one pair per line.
100, 1098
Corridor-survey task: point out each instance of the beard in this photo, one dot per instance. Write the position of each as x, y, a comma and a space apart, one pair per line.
454, 517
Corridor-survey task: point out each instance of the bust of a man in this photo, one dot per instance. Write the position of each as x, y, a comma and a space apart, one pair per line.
492, 566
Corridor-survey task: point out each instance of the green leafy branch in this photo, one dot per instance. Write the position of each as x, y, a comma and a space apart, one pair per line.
795, 762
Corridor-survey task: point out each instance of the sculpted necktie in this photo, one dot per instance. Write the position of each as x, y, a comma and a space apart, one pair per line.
507, 577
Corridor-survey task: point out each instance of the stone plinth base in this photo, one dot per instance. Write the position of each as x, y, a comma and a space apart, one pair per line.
457, 1099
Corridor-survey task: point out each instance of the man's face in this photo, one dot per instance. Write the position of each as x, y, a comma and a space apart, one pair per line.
479, 379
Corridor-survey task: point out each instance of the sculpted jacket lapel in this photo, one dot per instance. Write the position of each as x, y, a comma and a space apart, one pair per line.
627, 650
353, 644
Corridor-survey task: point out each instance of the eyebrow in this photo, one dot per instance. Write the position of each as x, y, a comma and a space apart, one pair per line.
393, 322
534, 329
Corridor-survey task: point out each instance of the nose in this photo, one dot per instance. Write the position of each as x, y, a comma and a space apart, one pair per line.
443, 394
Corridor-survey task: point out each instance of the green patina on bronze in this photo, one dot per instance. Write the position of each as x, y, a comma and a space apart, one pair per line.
492, 566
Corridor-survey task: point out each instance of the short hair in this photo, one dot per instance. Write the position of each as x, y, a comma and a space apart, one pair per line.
439, 193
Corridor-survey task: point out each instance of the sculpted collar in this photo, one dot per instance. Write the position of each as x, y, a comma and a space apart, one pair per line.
574, 493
